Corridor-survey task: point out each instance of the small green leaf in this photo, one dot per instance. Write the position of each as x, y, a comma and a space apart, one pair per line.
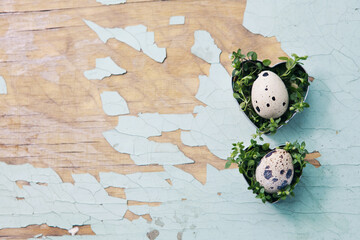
236, 95
228, 163
265, 146
242, 105
283, 58
260, 67
289, 63
266, 62
252, 55
251, 163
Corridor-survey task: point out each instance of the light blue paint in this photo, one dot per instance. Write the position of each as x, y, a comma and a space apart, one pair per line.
221, 122
135, 126
326, 205
168, 122
136, 37
131, 135
113, 104
57, 204
205, 48
3, 89
105, 67
125, 37
111, 2
102, 33
136, 29
143, 151
177, 20
149, 47
201, 213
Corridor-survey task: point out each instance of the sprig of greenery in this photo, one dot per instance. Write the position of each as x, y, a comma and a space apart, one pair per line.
247, 159
246, 69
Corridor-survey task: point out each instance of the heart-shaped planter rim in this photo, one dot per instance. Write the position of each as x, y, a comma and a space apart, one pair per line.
233, 79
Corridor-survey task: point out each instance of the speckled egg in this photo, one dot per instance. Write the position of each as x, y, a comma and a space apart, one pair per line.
269, 95
275, 170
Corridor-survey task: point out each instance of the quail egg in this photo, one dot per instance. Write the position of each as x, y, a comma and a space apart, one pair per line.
269, 96
275, 171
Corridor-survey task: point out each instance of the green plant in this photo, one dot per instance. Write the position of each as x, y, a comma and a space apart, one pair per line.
246, 69
248, 159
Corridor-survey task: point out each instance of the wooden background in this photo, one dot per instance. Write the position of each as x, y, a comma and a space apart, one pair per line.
52, 115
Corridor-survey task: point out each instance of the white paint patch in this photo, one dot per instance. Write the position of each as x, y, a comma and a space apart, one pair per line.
73, 231
177, 20
205, 47
105, 67
113, 104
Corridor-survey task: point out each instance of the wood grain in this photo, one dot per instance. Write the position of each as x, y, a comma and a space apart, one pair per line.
52, 115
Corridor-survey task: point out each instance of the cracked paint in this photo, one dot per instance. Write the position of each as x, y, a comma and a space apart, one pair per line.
143, 151
326, 205
131, 135
135, 36
205, 213
105, 67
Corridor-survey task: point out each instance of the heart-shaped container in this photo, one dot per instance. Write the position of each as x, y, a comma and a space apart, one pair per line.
282, 64
299, 173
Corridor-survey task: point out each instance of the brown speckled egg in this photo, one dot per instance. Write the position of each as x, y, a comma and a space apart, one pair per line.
269, 96
275, 170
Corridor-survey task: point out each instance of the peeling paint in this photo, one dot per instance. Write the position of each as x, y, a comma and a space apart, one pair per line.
105, 67
134, 36
205, 47
131, 135
3, 88
177, 20
205, 214
143, 151
221, 122
326, 203
113, 104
